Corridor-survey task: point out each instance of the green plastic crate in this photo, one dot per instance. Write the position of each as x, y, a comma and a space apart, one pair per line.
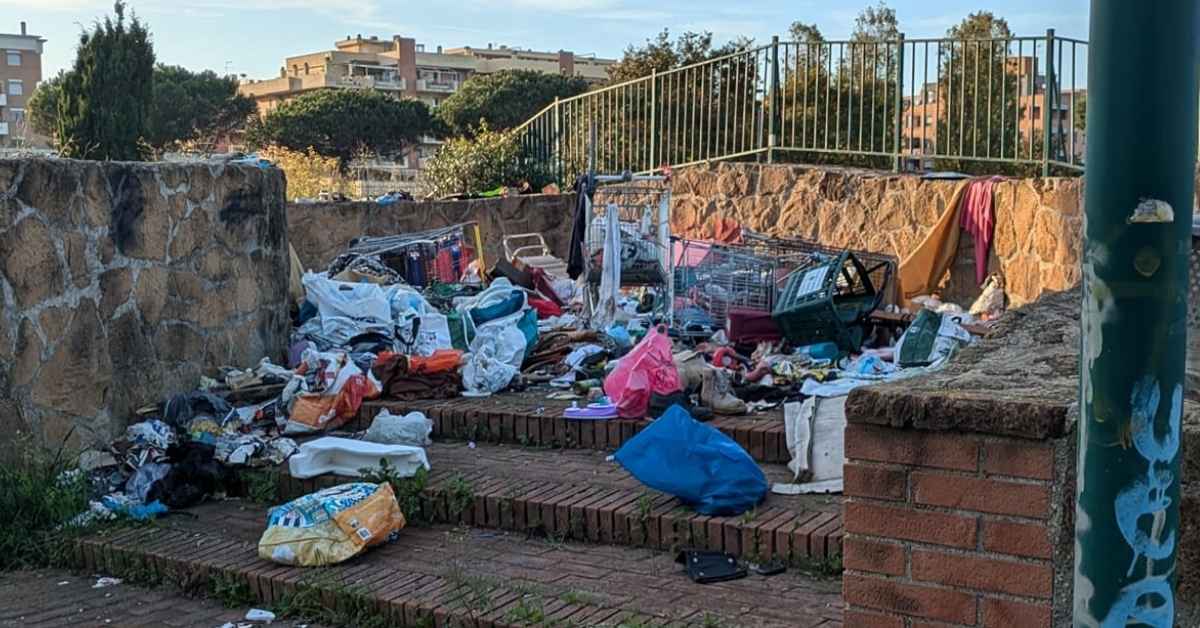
827, 299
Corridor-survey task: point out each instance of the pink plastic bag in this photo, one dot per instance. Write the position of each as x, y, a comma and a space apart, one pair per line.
648, 368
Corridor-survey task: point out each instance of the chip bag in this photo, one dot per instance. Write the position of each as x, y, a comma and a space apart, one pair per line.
330, 526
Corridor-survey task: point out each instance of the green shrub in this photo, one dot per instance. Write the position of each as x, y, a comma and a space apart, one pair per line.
489, 160
40, 494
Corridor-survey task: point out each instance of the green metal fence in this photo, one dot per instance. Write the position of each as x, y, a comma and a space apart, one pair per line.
907, 103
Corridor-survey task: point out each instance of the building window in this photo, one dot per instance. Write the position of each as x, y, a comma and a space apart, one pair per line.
16, 115
14, 57
16, 87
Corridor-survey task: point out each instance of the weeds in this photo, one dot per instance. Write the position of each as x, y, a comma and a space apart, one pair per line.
262, 486
40, 495
711, 621
410, 492
819, 567
530, 611
230, 590
351, 607
460, 495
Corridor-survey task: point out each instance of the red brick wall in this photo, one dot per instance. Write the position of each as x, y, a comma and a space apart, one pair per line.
947, 529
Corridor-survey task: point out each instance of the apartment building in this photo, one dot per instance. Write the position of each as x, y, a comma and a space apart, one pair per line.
407, 69
20, 73
1026, 103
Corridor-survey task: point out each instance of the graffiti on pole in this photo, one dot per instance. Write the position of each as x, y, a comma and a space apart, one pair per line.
1150, 600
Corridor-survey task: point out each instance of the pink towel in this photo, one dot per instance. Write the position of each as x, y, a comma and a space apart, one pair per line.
979, 220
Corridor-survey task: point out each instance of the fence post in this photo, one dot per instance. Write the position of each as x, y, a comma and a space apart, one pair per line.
775, 106
653, 120
897, 166
1049, 99
558, 160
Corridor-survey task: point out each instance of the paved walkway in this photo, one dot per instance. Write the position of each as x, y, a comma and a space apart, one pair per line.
52, 597
431, 570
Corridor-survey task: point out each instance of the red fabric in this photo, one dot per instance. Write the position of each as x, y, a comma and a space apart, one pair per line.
979, 220
443, 264
544, 284
545, 307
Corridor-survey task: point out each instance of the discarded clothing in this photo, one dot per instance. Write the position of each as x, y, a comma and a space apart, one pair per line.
923, 269
181, 410
704, 468
434, 378
585, 188
979, 220
194, 475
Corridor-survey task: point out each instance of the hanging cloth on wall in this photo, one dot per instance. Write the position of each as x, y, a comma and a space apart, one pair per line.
979, 220
923, 269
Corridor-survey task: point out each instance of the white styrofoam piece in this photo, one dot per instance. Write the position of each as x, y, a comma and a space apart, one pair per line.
345, 456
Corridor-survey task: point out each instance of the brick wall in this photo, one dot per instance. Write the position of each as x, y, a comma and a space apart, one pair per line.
954, 529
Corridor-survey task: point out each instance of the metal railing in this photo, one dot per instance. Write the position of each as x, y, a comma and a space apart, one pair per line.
968, 104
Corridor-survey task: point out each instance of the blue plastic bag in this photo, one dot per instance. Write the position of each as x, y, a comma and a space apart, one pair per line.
704, 468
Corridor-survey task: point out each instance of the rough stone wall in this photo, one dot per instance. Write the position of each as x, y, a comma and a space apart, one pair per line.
1038, 221
121, 283
320, 232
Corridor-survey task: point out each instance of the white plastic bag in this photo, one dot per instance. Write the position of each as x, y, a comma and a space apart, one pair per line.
349, 309
496, 355
412, 429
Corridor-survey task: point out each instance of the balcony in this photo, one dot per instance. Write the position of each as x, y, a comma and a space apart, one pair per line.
426, 85
371, 82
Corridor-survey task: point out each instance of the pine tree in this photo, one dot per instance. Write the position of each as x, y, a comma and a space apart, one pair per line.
105, 101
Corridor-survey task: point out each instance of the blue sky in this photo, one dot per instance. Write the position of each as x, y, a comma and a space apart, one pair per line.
253, 36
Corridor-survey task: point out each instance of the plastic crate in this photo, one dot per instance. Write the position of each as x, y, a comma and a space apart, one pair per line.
828, 298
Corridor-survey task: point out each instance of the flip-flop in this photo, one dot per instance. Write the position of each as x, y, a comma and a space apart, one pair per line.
591, 412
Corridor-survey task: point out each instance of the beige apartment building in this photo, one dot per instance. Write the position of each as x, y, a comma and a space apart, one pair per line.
20, 73
407, 69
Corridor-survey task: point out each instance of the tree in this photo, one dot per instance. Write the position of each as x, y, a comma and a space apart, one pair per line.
877, 23
344, 123
104, 104
1080, 113
194, 106
42, 108
505, 99
661, 54
487, 160
966, 125
186, 106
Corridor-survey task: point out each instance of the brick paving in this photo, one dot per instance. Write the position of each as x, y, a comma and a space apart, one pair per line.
55, 597
529, 418
480, 576
577, 494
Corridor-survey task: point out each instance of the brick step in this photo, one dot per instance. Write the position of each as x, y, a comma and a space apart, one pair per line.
456, 576
530, 419
577, 494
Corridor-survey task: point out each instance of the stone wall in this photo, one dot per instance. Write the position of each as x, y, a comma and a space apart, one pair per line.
121, 283
320, 232
1038, 221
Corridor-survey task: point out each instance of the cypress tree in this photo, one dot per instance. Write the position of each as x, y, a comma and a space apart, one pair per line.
105, 100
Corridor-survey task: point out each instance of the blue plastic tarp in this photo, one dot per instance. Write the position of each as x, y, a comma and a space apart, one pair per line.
704, 468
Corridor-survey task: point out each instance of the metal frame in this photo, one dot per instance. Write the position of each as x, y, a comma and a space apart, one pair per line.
855, 99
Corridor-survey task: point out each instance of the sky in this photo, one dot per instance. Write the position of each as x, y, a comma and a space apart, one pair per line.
252, 37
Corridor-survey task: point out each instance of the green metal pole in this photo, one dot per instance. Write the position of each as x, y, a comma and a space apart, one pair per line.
1141, 154
1049, 101
773, 110
898, 122
653, 120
